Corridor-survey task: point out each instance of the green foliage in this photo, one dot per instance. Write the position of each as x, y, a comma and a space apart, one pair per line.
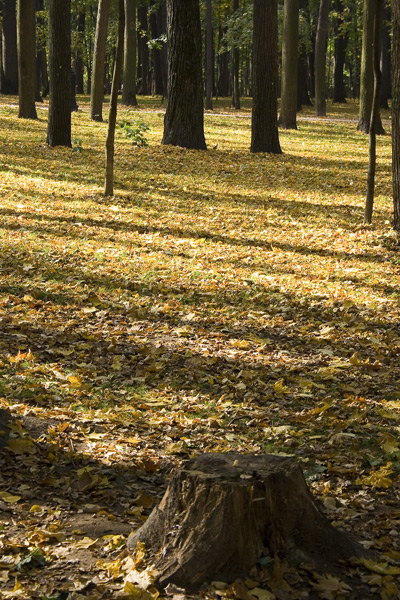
135, 130
239, 28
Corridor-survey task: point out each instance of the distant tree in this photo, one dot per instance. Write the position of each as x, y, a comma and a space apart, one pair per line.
396, 114
184, 118
112, 115
129, 74
376, 56
59, 123
367, 71
386, 57
339, 92
290, 49
264, 123
9, 62
320, 58
143, 51
79, 36
209, 55
26, 58
235, 68
99, 56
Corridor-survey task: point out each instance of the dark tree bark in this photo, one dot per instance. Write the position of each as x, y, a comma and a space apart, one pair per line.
320, 58
386, 90
9, 63
303, 76
26, 24
59, 124
396, 115
222, 512
99, 57
143, 52
162, 27
235, 56
112, 115
290, 48
339, 92
209, 56
367, 70
369, 202
129, 76
264, 122
184, 119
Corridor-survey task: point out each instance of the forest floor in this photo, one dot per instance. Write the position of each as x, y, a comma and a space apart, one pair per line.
220, 301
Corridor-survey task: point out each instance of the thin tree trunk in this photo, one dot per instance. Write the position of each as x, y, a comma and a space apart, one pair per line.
129, 76
209, 56
99, 57
320, 58
369, 202
290, 44
396, 115
112, 115
264, 122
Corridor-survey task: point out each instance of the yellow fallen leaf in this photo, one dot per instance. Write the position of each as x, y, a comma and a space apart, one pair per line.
9, 498
280, 387
242, 344
114, 541
262, 594
379, 478
35, 508
85, 543
133, 592
75, 381
382, 568
21, 446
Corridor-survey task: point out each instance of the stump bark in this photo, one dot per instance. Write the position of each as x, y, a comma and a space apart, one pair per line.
222, 512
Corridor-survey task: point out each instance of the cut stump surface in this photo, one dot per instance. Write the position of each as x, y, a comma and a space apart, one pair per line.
222, 512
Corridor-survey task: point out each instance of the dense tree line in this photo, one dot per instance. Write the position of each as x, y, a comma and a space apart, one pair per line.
304, 51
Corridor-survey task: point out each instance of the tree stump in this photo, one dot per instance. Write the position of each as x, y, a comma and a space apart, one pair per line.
222, 512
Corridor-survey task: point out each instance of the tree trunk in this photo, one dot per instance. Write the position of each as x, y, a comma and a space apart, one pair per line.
59, 124
369, 202
396, 115
129, 76
290, 49
222, 512
26, 24
339, 92
385, 59
112, 115
9, 63
99, 57
367, 70
320, 58
143, 52
184, 118
235, 55
209, 56
264, 122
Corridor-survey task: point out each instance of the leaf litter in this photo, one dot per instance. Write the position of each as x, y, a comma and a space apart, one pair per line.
221, 301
